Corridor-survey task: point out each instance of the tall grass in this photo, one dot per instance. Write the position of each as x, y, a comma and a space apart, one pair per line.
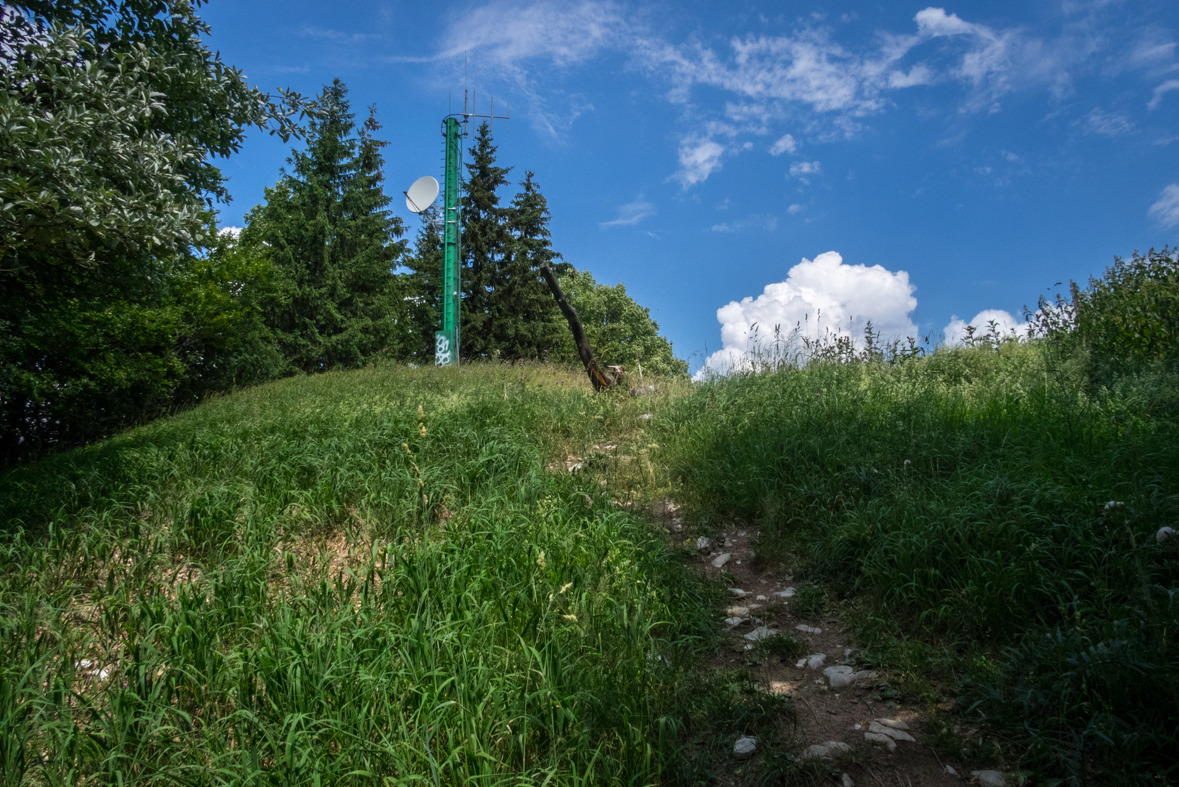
987, 495
351, 578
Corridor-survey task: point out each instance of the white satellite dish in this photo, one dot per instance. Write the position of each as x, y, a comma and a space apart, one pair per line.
421, 194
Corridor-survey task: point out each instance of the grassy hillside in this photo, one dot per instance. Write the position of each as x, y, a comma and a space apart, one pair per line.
392, 573
998, 505
332, 578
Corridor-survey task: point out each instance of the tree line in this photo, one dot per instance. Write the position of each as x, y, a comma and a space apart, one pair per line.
121, 300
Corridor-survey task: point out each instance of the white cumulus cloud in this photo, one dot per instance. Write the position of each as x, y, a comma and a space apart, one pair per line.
1004, 324
817, 296
1166, 210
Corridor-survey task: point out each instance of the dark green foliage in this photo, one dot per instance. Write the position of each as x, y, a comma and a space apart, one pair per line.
84, 368
485, 247
335, 301
508, 311
1128, 317
112, 113
424, 288
530, 324
617, 328
222, 340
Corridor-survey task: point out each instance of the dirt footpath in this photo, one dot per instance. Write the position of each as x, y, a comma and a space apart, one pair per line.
845, 715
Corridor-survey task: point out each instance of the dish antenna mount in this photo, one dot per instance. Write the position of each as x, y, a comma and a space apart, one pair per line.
421, 194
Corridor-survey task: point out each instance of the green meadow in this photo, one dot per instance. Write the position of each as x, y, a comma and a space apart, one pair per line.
355, 578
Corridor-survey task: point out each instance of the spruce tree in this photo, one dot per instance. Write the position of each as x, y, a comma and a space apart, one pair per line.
528, 322
329, 233
424, 288
484, 245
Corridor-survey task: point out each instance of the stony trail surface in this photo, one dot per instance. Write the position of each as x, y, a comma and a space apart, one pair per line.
841, 715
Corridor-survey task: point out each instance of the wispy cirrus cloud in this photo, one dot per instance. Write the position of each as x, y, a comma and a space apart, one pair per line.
1166, 210
827, 87
1106, 124
631, 213
1160, 91
756, 221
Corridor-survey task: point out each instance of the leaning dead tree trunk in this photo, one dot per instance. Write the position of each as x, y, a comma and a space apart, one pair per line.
601, 381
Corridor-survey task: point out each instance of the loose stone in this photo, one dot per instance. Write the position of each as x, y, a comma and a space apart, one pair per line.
990, 778
895, 734
824, 750
734, 622
738, 592
720, 560
745, 746
813, 661
704, 545
808, 629
760, 633
840, 676
884, 740
787, 593
847, 781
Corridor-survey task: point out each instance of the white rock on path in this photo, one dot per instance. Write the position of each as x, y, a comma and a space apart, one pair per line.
787, 593
704, 544
840, 676
759, 633
876, 737
738, 611
990, 778
896, 724
808, 629
813, 661
824, 750
745, 746
847, 781
734, 622
738, 592
892, 732
720, 560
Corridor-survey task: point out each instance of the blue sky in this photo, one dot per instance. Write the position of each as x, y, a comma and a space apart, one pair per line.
758, 162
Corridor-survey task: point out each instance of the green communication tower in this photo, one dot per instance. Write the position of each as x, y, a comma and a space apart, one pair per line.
420, 197
446, 340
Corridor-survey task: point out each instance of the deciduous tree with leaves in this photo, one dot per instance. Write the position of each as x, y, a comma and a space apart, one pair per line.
111, 113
